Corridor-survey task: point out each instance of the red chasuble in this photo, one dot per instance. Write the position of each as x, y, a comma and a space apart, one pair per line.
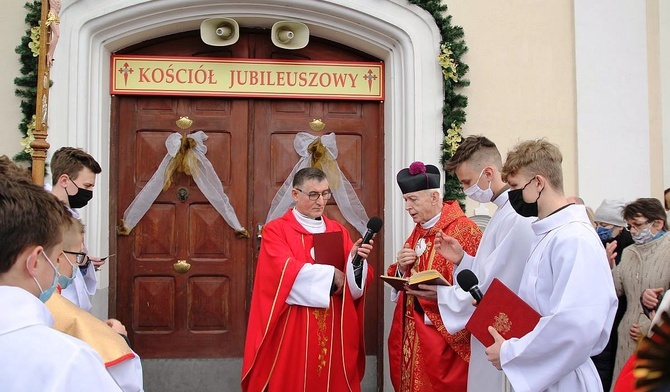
299, 348
422, 357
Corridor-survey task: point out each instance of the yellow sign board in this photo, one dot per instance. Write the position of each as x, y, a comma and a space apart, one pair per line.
223, 77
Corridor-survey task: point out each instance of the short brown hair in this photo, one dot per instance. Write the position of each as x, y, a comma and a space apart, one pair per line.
308, 173
647, 207
29, 215
477, 149
73, 230
535, 157
70, 161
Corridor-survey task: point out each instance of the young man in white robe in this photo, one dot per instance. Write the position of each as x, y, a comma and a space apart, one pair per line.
567, 279
73, 173
35, 356
502, 252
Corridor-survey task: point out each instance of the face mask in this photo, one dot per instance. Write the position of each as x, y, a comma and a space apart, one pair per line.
79, 199
521, 207
46, 294
64, 281
478, 194
604, 233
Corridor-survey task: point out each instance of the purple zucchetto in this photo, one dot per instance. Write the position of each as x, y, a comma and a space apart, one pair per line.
418, 177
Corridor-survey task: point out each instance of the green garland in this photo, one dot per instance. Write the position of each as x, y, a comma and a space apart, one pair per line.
453, 113
26, 84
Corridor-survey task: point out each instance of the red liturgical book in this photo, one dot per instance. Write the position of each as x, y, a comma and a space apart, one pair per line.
328, 249
501, 308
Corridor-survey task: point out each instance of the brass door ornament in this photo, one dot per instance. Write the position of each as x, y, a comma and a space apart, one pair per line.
181, 266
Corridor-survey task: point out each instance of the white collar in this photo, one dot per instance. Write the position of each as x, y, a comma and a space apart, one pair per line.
431, 222
311, 225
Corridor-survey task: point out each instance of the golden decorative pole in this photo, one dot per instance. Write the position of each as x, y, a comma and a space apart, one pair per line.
48, 22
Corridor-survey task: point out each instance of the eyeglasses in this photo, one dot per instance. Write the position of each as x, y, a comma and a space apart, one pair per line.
637, 226
81, 258
315, 195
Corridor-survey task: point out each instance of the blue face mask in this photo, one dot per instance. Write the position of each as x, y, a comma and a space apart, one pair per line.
64, 281
46, 294
604, 233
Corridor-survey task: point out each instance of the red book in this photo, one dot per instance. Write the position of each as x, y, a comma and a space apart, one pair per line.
329, 249
505, 311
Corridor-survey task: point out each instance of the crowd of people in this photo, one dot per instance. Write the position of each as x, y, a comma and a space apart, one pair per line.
595, 278
577, 268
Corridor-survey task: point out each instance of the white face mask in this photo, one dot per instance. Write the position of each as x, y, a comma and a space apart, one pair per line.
478, 194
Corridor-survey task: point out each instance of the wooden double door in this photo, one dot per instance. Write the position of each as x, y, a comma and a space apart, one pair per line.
202, 312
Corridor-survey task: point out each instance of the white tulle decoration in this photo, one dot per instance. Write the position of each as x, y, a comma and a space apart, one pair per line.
344, 194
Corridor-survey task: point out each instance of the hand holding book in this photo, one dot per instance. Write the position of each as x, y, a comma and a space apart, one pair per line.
428, 277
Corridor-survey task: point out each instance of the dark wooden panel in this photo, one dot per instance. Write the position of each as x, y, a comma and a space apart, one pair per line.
349, 158
154, 304
149, 150
155, 233
282, 153
219, 154
207, 233
208, 309
156, 105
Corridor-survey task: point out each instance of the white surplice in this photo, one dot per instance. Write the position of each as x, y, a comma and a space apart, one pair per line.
83, 286
568, 281
502, 254
39, 358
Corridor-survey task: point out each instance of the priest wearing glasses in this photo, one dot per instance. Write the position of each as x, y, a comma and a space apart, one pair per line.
305, 328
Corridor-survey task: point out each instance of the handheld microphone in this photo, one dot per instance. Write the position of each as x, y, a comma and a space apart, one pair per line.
374, 225
468, 282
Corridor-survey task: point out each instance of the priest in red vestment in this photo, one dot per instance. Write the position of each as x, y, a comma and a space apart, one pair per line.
305, 330
423, 356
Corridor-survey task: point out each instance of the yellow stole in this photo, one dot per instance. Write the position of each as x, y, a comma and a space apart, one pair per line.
82, 325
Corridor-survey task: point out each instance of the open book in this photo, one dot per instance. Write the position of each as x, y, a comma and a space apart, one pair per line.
431, 277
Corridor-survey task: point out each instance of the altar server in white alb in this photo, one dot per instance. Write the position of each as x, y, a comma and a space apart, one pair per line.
502, 253
36, 357
567, 279
73, 173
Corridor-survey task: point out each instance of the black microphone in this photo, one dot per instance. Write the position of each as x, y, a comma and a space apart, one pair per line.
468, 282
374, 225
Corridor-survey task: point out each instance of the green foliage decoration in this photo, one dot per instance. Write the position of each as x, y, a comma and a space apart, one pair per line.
452, 48
26, 84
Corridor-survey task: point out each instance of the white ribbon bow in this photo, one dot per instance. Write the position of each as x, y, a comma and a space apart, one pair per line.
344, 194
204, 176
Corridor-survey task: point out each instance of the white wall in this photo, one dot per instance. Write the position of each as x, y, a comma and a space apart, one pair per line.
664, 38
613, 114
12, 29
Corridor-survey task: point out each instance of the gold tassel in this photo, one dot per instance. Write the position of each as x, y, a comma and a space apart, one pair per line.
184, 162
122, 228
242, 233
322, 160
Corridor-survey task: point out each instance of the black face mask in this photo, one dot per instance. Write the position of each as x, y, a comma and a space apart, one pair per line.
79, 199
520, 206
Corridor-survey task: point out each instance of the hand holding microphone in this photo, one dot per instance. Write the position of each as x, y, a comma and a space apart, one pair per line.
468, 281
374, 225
